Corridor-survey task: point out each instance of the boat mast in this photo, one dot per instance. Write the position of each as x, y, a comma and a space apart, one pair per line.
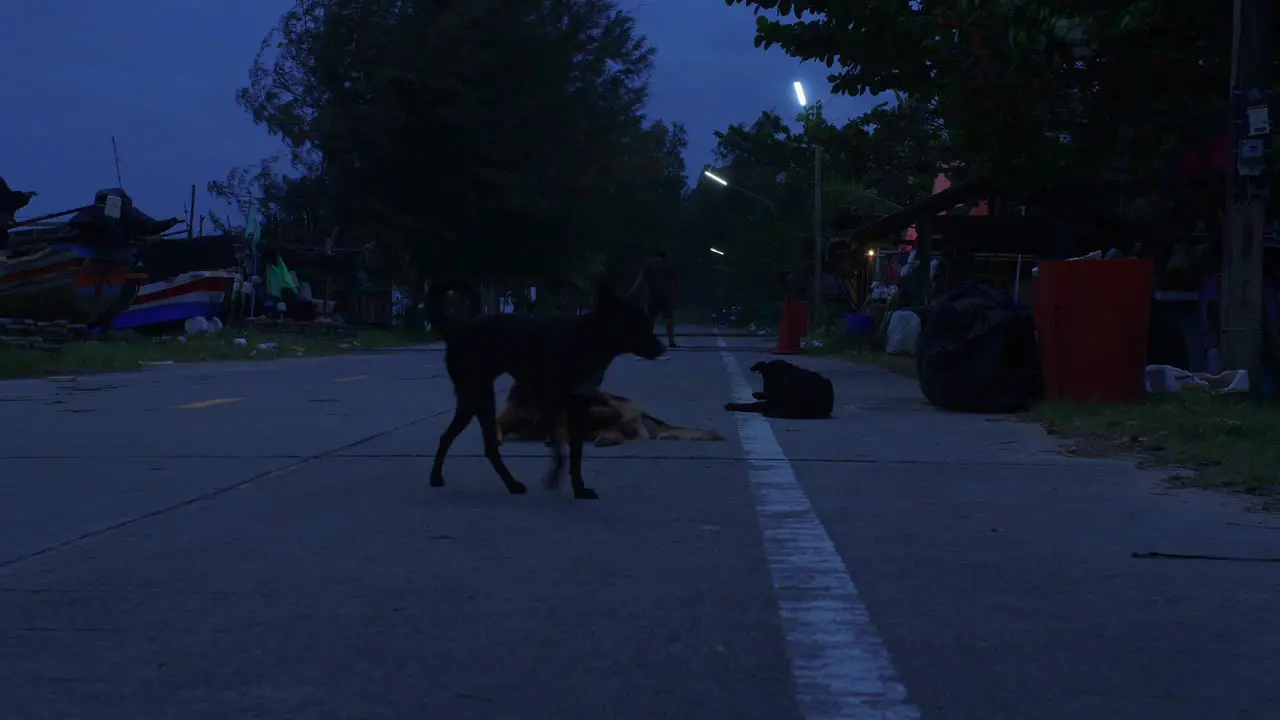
115, 150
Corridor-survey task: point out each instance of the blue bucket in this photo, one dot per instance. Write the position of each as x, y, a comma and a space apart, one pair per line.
859, 325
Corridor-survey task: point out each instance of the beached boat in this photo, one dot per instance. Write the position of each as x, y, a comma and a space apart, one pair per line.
193, 294
83, 270
66, 281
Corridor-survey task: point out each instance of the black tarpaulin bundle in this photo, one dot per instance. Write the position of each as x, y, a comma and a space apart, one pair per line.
977, 353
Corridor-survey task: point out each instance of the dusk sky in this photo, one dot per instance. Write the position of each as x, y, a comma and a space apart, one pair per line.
160, 75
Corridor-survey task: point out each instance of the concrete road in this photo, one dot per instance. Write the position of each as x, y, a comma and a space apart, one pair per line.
236, 541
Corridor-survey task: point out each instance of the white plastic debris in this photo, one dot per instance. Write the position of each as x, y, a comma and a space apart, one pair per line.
1166, 378
240, 342
267, 346
195, 326
903, 333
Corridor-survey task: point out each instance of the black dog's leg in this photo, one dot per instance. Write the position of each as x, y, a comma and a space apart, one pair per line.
551, 480
462, 415
576, 419
487, 411
551, 404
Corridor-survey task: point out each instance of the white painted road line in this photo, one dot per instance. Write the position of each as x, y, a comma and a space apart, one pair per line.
839, 664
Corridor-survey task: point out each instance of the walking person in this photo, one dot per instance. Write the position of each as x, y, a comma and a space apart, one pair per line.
658, 274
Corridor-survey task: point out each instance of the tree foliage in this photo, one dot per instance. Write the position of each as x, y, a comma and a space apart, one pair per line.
763, 221
1026, 90
504, 141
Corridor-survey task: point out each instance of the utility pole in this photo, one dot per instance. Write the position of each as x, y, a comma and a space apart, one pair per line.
1248, 187
817, 240
811, 124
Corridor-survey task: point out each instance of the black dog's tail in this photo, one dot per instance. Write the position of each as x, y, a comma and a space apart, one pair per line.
441, 321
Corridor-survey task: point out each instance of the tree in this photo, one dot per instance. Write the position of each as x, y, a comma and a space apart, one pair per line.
1026, 90
499, 140
875, 164
754, 221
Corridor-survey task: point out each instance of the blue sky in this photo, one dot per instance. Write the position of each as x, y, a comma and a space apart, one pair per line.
160, 75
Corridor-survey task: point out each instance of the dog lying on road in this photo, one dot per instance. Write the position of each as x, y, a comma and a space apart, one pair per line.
613, 420
558, 361
790, 392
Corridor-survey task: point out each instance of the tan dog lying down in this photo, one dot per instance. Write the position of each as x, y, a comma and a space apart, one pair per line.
614, 420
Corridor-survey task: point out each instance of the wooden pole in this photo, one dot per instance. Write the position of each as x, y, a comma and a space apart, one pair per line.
191, 221
815, 314
924, 260
39, 219
1241, 306
115, 151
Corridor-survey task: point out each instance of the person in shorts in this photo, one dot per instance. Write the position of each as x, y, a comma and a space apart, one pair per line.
660, 278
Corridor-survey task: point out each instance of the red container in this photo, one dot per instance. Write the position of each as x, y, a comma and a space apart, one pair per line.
799, 316
792, 327
1092, 319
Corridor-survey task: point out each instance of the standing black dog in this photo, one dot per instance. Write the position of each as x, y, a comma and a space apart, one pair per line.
556, 360
790, 392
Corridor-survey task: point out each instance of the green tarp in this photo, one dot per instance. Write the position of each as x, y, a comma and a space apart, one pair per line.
279, 279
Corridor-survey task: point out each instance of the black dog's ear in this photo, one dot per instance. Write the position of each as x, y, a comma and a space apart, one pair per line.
605, 296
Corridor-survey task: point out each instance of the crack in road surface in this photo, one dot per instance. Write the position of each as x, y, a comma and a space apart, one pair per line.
298, 463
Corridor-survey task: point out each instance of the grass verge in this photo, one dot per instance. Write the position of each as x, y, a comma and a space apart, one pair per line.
862, 351
1222, 442
1225, 442
133, 352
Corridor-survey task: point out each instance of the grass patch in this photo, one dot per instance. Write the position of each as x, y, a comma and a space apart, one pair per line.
133, 352
861, 350
1230, 442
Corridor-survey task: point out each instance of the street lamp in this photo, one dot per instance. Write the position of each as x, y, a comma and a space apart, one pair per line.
744, 191
817, 208
718, 252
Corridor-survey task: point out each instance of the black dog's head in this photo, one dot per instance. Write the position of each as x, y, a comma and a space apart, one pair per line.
625, 327
769, 368
774, 373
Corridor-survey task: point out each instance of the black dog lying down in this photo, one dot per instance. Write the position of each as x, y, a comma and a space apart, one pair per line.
790, 392
557, 360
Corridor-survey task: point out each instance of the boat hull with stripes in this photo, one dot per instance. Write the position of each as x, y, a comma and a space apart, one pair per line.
189, 295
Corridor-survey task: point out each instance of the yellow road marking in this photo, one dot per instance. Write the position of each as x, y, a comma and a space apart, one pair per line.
208, 403
353, 377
